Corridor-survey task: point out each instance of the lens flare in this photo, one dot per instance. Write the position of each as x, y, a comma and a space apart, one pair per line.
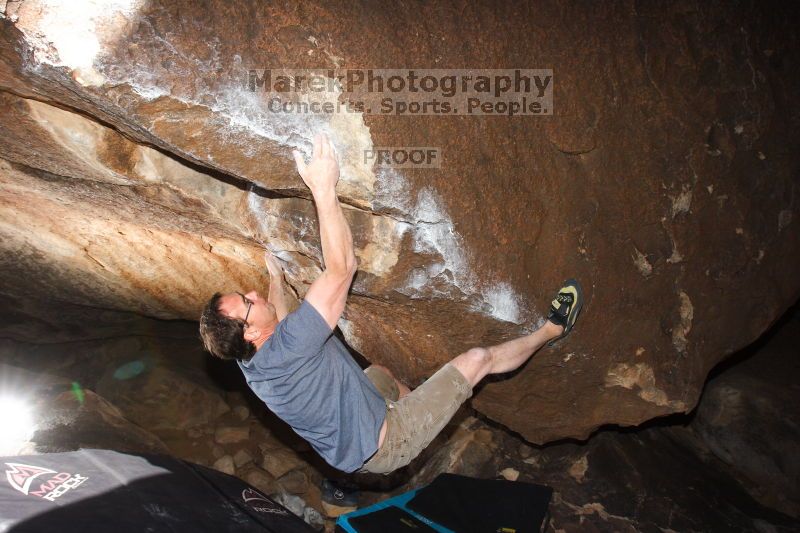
77, 391
16, 424
129, 370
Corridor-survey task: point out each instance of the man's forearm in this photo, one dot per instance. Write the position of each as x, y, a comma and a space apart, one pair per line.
277, 297
337, 241
328, 293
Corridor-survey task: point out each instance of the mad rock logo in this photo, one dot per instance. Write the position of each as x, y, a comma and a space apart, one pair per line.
41, 482
261, 504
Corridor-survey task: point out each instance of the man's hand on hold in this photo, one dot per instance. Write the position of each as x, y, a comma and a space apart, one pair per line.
322, 173
273, 265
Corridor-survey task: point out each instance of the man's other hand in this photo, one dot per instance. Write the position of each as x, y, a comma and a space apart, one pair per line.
273, 265
322, 173
276, 295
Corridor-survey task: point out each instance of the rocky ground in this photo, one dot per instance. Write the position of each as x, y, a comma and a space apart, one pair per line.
146, 386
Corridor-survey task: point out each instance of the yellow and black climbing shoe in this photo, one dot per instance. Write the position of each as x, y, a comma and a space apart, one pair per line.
565, 307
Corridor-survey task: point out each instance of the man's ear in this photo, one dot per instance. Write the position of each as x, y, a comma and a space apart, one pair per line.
251, 334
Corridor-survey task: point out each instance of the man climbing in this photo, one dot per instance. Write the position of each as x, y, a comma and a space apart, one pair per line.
357, 421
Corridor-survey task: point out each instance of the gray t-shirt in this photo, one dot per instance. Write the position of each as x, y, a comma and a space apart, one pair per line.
306, 376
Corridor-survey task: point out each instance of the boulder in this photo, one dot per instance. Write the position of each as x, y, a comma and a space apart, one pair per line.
294, 482
279, 461
650, 479
217, 451
241, 458
231, 434
139, 173
225, 465
510, 474
75, 420
241, 412
261, 480
747, 418
467, 448
298, 506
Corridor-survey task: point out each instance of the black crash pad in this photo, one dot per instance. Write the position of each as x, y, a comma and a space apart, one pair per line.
102, 490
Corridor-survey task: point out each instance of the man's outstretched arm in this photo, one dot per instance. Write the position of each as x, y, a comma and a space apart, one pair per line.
276, 295
328, 293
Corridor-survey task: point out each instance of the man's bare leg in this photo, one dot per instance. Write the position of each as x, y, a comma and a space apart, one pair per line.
476, 363
427, 403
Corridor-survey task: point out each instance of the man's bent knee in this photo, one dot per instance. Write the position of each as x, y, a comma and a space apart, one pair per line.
415, 421
474, 364
400, 387
382, 369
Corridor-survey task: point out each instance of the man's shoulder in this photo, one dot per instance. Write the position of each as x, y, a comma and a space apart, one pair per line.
302, 332
308, 315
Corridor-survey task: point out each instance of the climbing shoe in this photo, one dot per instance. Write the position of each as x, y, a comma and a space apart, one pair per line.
338, 499
565, 307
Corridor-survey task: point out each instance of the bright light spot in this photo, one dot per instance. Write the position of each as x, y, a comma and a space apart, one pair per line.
16, 424
70, 27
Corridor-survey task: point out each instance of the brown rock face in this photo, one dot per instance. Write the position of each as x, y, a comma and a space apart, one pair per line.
138, 174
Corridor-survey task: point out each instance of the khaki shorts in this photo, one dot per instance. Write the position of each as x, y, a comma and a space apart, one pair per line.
414, 421
385, 384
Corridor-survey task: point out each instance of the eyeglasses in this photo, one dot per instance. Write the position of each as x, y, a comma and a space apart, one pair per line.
249, 303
